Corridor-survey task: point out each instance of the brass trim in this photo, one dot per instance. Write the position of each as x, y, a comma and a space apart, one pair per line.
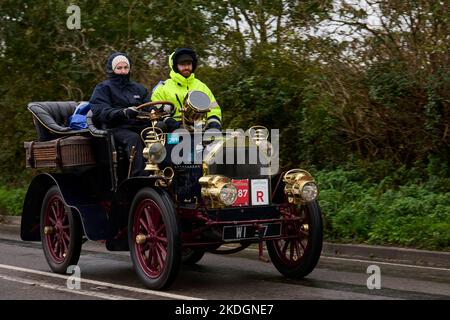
153, 136
49, 230
168, 173
211, 185
131, 160
295, 180
258, 134
140, 239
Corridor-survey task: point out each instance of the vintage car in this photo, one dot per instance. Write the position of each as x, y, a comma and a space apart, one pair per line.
181, 209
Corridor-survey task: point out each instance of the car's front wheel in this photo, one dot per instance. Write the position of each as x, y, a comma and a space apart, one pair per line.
154, 239
297, 256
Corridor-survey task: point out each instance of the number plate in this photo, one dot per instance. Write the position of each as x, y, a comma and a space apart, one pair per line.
248, 231
260, 192
242, 195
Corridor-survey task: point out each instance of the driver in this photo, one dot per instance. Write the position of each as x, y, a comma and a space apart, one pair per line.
182, 65
113, 106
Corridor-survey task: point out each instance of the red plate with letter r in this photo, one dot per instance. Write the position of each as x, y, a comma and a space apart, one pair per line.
242, 189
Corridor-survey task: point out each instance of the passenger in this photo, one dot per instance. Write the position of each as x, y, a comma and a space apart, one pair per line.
113, 105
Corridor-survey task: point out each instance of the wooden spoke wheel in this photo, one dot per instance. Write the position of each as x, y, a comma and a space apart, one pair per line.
154, 239
296, 257
61, 232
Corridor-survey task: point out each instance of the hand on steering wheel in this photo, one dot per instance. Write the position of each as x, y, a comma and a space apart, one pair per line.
157, 110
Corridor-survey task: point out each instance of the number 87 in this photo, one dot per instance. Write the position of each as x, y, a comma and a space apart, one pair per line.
242, 193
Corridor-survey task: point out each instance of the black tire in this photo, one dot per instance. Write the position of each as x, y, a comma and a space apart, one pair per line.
304, 251
61, 232
157, 257
191, 256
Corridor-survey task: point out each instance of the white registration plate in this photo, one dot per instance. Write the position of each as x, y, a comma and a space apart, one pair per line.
249, 231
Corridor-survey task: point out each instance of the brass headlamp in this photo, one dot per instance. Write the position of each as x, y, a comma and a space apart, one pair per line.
218, 189
300, 186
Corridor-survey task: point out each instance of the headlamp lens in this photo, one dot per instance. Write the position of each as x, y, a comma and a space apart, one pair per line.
310, 191
228, 194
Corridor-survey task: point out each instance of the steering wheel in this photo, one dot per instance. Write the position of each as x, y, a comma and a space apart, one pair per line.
155, 110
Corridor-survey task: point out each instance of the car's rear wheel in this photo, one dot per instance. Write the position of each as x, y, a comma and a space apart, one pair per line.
154, 239
61, 232
297, 257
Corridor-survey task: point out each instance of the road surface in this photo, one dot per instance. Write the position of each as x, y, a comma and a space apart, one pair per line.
24, 274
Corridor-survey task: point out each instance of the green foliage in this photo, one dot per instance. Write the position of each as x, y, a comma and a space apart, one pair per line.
265, 67
11, 200
357, 208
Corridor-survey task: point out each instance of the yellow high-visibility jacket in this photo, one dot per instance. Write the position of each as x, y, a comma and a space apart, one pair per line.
176, 88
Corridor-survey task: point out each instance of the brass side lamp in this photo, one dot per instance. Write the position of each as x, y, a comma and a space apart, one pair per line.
300, 186
196, 105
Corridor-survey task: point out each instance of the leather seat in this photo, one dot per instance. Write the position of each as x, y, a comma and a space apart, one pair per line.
51, 118
97, 132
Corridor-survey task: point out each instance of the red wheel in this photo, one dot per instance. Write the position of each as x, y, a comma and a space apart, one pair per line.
154, 239
298, 256
61, 232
